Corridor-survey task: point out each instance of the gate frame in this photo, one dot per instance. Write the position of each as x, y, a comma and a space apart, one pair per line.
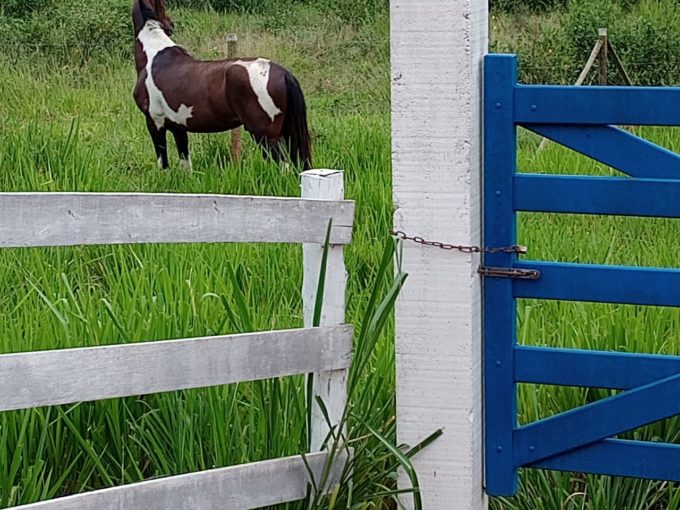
581, 119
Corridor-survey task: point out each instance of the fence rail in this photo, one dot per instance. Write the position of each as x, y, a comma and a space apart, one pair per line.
63, 219
251, 485
74, 375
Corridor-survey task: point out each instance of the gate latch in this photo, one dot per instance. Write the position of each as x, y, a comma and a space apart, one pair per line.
507, 272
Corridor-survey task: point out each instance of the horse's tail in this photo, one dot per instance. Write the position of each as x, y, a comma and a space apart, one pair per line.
295, 131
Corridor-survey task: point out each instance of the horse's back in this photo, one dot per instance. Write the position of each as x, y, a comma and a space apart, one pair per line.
198, 85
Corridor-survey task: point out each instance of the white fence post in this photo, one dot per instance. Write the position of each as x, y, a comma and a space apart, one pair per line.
437, 50
330, 386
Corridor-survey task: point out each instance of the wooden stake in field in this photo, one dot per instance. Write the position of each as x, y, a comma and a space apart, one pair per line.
603, 41
232, 52
601, 52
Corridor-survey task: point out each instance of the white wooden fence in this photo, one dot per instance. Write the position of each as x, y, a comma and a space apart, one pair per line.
74, 375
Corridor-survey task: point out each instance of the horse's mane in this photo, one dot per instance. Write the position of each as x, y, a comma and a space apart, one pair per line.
147, 12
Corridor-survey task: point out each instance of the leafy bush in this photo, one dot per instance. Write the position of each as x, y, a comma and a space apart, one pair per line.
352, 11
70, 30
542, 5
553, 48
22, 8
646, 36
534, 5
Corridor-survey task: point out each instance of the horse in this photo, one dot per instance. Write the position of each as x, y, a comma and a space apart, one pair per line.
181, 94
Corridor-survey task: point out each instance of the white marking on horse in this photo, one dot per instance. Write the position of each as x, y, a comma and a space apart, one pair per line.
154, 40
258, 73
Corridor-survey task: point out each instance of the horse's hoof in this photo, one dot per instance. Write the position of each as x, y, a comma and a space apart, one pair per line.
185, 164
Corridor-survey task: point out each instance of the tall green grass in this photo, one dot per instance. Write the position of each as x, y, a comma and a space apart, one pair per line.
69, 126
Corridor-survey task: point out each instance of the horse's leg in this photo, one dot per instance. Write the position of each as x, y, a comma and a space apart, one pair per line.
159, 142
272, 149
269, 145
182, 141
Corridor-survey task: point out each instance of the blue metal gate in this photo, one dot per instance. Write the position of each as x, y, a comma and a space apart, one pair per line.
583, 119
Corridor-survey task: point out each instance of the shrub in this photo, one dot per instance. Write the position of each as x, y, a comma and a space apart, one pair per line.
22, 8
646, 36
352, 11
533, 5
543, 5
554, 47
70, 31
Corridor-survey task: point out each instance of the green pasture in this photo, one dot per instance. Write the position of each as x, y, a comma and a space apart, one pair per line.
70, 124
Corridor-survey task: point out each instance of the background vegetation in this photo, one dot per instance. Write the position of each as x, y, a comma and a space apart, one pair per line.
553, 44
69, 123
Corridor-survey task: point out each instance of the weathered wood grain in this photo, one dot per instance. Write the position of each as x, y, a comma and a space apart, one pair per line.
75, 375
330, 386
233, 488
62, 219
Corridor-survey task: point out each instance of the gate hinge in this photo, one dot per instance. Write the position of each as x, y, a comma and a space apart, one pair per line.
507, 272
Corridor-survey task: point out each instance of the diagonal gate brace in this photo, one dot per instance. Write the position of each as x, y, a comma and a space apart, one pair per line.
599, 420
616, 148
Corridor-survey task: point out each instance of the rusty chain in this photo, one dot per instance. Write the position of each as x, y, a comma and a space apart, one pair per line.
457, 247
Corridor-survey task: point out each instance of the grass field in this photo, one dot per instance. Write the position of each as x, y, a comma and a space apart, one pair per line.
77, 128
67, 127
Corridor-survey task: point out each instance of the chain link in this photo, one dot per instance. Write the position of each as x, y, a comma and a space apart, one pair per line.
457, 247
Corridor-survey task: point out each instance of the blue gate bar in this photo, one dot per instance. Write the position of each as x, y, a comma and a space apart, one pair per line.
553, 104
599, 283
597, 195
598, 420
638, 459
617, 148
500, 407
580, 118
592, 369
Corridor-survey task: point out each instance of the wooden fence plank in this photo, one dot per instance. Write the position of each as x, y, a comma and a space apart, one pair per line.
330, 386
233, 488
617, 148
594, 369
500, 336
74, 375
595, 421
61, 219
616, 457
557, 104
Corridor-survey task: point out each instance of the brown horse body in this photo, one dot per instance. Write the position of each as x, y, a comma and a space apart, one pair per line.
181, 94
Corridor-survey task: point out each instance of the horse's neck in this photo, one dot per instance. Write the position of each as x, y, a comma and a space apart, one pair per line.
151, 41
140, 57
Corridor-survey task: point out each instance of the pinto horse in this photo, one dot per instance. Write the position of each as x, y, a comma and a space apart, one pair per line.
181, 94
